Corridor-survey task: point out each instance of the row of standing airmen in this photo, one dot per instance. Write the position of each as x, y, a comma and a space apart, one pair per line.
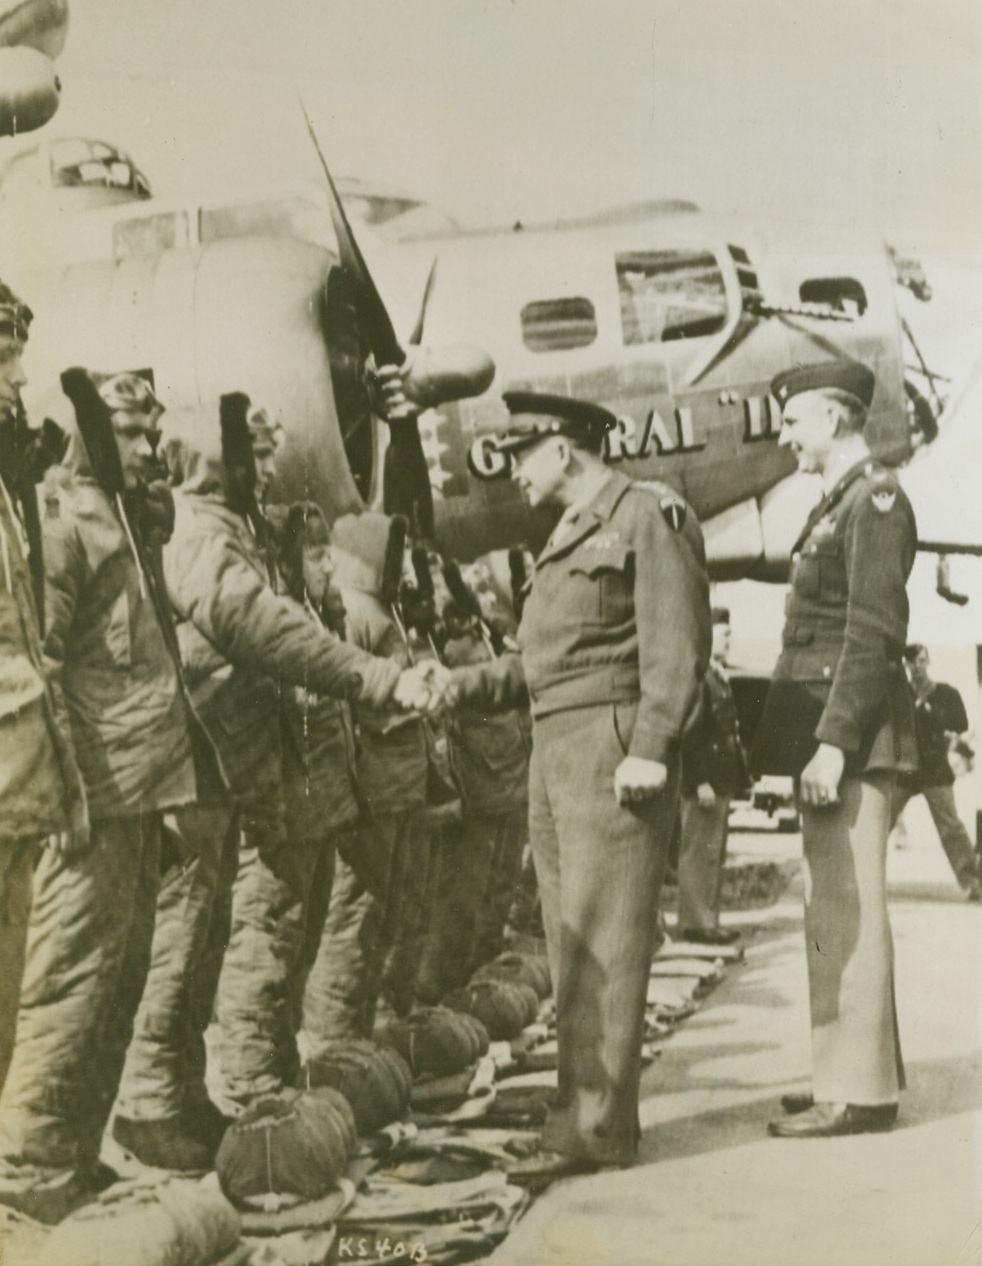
189, 684
193, 775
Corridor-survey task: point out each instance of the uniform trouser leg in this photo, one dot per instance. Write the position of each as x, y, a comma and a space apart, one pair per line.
510, 831
855, 1045
701, 855
526, 906
600, 868
342, 987
461, 863
319, 860
951, 830
207, 971
87, 957
345, 979
254, 1007
156, 1078
17, 859
410, 904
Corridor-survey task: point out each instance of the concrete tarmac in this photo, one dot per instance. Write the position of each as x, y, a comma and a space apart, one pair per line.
713, 1189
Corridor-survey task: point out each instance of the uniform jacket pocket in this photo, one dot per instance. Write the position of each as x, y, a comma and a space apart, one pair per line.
625, 716
611, 573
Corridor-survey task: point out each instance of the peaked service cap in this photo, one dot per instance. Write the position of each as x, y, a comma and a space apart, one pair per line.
536, 415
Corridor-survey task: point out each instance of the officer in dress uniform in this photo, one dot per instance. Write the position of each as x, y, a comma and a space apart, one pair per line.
615, 639
838, 717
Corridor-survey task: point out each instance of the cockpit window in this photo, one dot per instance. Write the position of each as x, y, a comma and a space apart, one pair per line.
554, 325
76, 162
841, 294
670, 294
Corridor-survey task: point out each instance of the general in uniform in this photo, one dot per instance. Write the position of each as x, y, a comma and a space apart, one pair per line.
838, 717
615, 639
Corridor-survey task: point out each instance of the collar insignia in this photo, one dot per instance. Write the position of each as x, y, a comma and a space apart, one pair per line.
602, 540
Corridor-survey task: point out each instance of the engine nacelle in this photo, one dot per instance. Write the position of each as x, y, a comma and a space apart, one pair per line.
29, 90
248, 314
39, 24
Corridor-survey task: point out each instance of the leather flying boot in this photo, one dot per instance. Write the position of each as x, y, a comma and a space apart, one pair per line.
50, 1203
206, 1122
164, 1143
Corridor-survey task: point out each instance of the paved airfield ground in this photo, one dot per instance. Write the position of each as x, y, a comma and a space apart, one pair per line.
713, 1189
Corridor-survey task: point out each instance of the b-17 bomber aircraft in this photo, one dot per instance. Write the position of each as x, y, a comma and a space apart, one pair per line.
675, 320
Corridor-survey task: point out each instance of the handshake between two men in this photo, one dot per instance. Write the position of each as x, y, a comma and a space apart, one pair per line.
427, 688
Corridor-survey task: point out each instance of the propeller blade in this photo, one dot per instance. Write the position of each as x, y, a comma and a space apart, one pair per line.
378, 324
406, 487
417, 335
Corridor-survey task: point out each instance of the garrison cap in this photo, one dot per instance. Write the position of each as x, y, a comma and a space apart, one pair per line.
838, 375
579, 420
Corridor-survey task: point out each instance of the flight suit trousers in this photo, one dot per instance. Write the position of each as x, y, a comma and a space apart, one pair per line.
600, 868
477, 863
855, 1043
510, 831
165, 1065
17, 859
701, 855
88, 951
371, 910
195, 974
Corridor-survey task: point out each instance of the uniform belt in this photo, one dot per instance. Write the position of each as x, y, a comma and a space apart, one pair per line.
559, 689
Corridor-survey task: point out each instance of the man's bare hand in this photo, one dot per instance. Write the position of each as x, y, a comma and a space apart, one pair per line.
440, 683
705, 795
636, 780
821, 777
389, 391
425, 688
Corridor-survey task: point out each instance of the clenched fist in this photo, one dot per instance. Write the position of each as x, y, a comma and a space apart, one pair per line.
636, 779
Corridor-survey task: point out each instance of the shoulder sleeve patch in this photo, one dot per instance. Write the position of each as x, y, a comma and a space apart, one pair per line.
673, 512
883, 487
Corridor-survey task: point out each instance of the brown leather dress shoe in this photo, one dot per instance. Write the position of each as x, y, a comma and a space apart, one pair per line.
708, 936
831, 1120
545, 1167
